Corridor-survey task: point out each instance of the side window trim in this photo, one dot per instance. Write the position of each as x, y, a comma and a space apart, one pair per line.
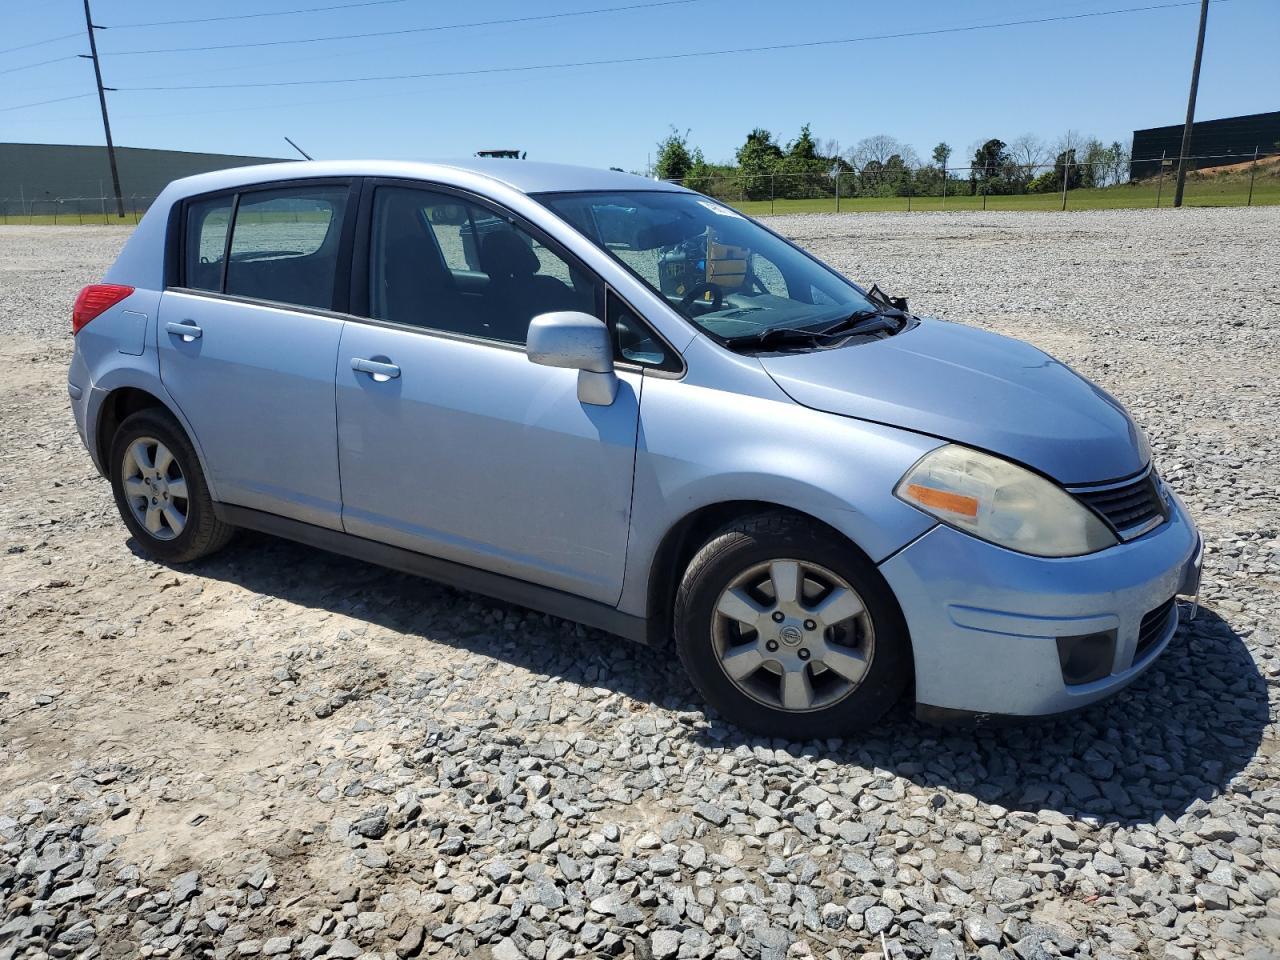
226, 246
346, 245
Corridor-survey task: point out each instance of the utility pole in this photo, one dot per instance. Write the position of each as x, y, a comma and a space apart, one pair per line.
1253, 172
102, 101
1191, 107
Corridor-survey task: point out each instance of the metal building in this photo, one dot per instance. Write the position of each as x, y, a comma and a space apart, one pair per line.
1216, 142
34, 177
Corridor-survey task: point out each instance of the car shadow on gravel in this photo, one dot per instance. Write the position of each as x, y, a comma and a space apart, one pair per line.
1178, 734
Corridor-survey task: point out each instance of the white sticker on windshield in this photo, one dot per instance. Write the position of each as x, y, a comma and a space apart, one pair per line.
722, 211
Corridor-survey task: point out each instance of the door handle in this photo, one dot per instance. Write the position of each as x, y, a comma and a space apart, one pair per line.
187, 330
378, 369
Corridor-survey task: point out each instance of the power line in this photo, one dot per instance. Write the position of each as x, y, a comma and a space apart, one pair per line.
39, 43
253, 16
166, 23
311, 102
651, 58
41, 103
405, 31
31, 66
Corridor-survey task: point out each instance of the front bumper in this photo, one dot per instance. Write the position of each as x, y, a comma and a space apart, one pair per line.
984, 620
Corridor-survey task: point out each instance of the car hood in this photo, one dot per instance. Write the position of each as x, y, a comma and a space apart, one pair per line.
976, 388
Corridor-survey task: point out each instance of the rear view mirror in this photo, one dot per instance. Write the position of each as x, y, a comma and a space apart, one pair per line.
666, 234
449, 215
579, 342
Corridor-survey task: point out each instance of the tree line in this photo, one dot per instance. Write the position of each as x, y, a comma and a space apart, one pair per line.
882, 165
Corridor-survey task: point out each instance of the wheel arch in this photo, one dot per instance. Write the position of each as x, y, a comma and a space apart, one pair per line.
120, 402
116, 407
687, 536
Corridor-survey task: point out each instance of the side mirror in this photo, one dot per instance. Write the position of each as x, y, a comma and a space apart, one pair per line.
579, 342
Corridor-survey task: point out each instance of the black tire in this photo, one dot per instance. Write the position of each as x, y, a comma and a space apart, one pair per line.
203, 533
770, 536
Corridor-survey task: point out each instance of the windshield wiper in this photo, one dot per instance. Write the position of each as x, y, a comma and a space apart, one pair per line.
863, 321
774, 336
859, 322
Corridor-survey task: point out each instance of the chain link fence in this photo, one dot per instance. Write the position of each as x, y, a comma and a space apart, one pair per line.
71, 210
1231, 181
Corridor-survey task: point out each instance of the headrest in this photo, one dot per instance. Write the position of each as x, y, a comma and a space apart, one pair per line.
505, 254
402, 223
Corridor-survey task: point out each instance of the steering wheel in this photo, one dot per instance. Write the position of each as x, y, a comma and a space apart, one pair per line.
698, 289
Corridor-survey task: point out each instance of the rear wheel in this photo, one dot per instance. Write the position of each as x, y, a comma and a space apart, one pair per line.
787, 629
160, 490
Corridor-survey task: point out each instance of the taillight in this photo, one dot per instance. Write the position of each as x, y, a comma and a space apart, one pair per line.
93, 300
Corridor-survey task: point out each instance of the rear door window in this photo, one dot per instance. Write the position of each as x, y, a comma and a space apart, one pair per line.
284, 245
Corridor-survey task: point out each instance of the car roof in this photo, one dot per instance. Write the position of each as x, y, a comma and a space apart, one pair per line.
526, 176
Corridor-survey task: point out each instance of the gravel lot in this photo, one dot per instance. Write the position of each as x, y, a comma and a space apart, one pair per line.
283, 753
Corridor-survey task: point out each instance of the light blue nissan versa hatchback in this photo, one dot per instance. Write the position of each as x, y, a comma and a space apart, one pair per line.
623, 403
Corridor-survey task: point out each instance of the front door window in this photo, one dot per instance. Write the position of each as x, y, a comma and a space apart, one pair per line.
447, 264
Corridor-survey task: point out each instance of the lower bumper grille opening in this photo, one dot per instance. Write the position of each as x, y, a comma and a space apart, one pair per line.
1086, 657
1153, 627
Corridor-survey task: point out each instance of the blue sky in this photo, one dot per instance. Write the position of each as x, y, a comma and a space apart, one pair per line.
1101, 76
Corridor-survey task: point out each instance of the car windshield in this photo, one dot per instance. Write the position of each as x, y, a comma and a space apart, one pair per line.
722, 271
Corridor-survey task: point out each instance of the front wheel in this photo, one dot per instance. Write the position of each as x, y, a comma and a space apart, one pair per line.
788, 630
160, 490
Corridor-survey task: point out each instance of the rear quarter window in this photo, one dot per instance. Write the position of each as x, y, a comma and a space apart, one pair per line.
206, 242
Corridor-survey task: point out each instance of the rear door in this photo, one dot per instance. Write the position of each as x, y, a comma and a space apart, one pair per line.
249, 339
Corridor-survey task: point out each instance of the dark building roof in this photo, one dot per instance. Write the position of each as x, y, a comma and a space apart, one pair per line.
1214, 142
47, 171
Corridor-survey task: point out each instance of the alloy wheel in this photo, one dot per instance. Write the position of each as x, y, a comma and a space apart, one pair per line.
155, 488
793, 635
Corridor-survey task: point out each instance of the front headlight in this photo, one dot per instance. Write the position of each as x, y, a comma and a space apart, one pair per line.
999, 501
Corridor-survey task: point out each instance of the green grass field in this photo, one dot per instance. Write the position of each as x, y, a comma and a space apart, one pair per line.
69, 220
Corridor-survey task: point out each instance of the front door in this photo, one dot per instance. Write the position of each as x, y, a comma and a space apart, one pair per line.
450, 441
248, 351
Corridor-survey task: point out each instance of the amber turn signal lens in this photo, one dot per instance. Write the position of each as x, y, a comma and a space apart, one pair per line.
943, 500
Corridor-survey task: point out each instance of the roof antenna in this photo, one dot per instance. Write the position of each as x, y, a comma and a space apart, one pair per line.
299, 149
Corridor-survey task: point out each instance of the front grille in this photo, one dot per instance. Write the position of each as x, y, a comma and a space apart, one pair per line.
1153, 627
1131, 507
